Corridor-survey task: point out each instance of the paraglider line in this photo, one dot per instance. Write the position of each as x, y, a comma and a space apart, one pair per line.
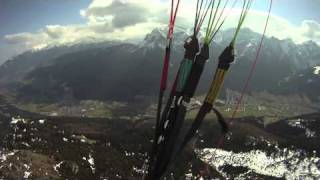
252, 70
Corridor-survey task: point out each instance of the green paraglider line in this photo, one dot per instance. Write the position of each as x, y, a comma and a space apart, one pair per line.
176, 115
254, 65
222, 22
215, 22
203, 16
245, 9
159, 164
188, 76
225, 60
252, 70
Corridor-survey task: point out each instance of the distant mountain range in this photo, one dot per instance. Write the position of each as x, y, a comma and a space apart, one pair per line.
306, 81
124, 71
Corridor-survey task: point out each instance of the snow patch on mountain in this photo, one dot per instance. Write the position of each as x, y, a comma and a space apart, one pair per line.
41, 121
316, 70
18, 119
58, 166
284, 163
300, 123
4, 155
91, 162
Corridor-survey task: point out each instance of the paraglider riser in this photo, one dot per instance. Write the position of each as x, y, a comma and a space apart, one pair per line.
196, 72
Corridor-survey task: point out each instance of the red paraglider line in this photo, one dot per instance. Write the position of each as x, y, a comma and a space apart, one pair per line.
203, 18
164, 76
165, 67
173, 16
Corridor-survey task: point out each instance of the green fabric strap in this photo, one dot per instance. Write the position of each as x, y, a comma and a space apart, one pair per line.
184, 72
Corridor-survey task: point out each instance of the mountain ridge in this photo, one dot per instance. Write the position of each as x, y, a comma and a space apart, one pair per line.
130, 69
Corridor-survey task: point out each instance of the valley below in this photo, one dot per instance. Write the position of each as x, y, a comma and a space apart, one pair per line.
36, 145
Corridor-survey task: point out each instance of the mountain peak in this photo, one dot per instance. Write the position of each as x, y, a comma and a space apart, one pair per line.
158, 37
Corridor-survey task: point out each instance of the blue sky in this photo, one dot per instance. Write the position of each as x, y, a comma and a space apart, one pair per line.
32, 16
18, 16
293, 10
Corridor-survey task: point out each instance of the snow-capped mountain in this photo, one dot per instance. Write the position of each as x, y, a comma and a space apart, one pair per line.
298, 56
155, 39
281, 57
158, 39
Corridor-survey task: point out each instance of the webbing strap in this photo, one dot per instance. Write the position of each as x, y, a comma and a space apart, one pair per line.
184, 72
164, 73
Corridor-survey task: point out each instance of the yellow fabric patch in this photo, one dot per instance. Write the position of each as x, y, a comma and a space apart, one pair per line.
216, 86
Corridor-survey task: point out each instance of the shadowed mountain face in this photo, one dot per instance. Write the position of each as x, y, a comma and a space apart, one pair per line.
116, 73
306, 81
18, 67
120, 71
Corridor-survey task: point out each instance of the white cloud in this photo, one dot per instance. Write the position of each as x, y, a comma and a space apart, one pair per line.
128, 19
311, 29
106, 20
282, 28
122, 14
